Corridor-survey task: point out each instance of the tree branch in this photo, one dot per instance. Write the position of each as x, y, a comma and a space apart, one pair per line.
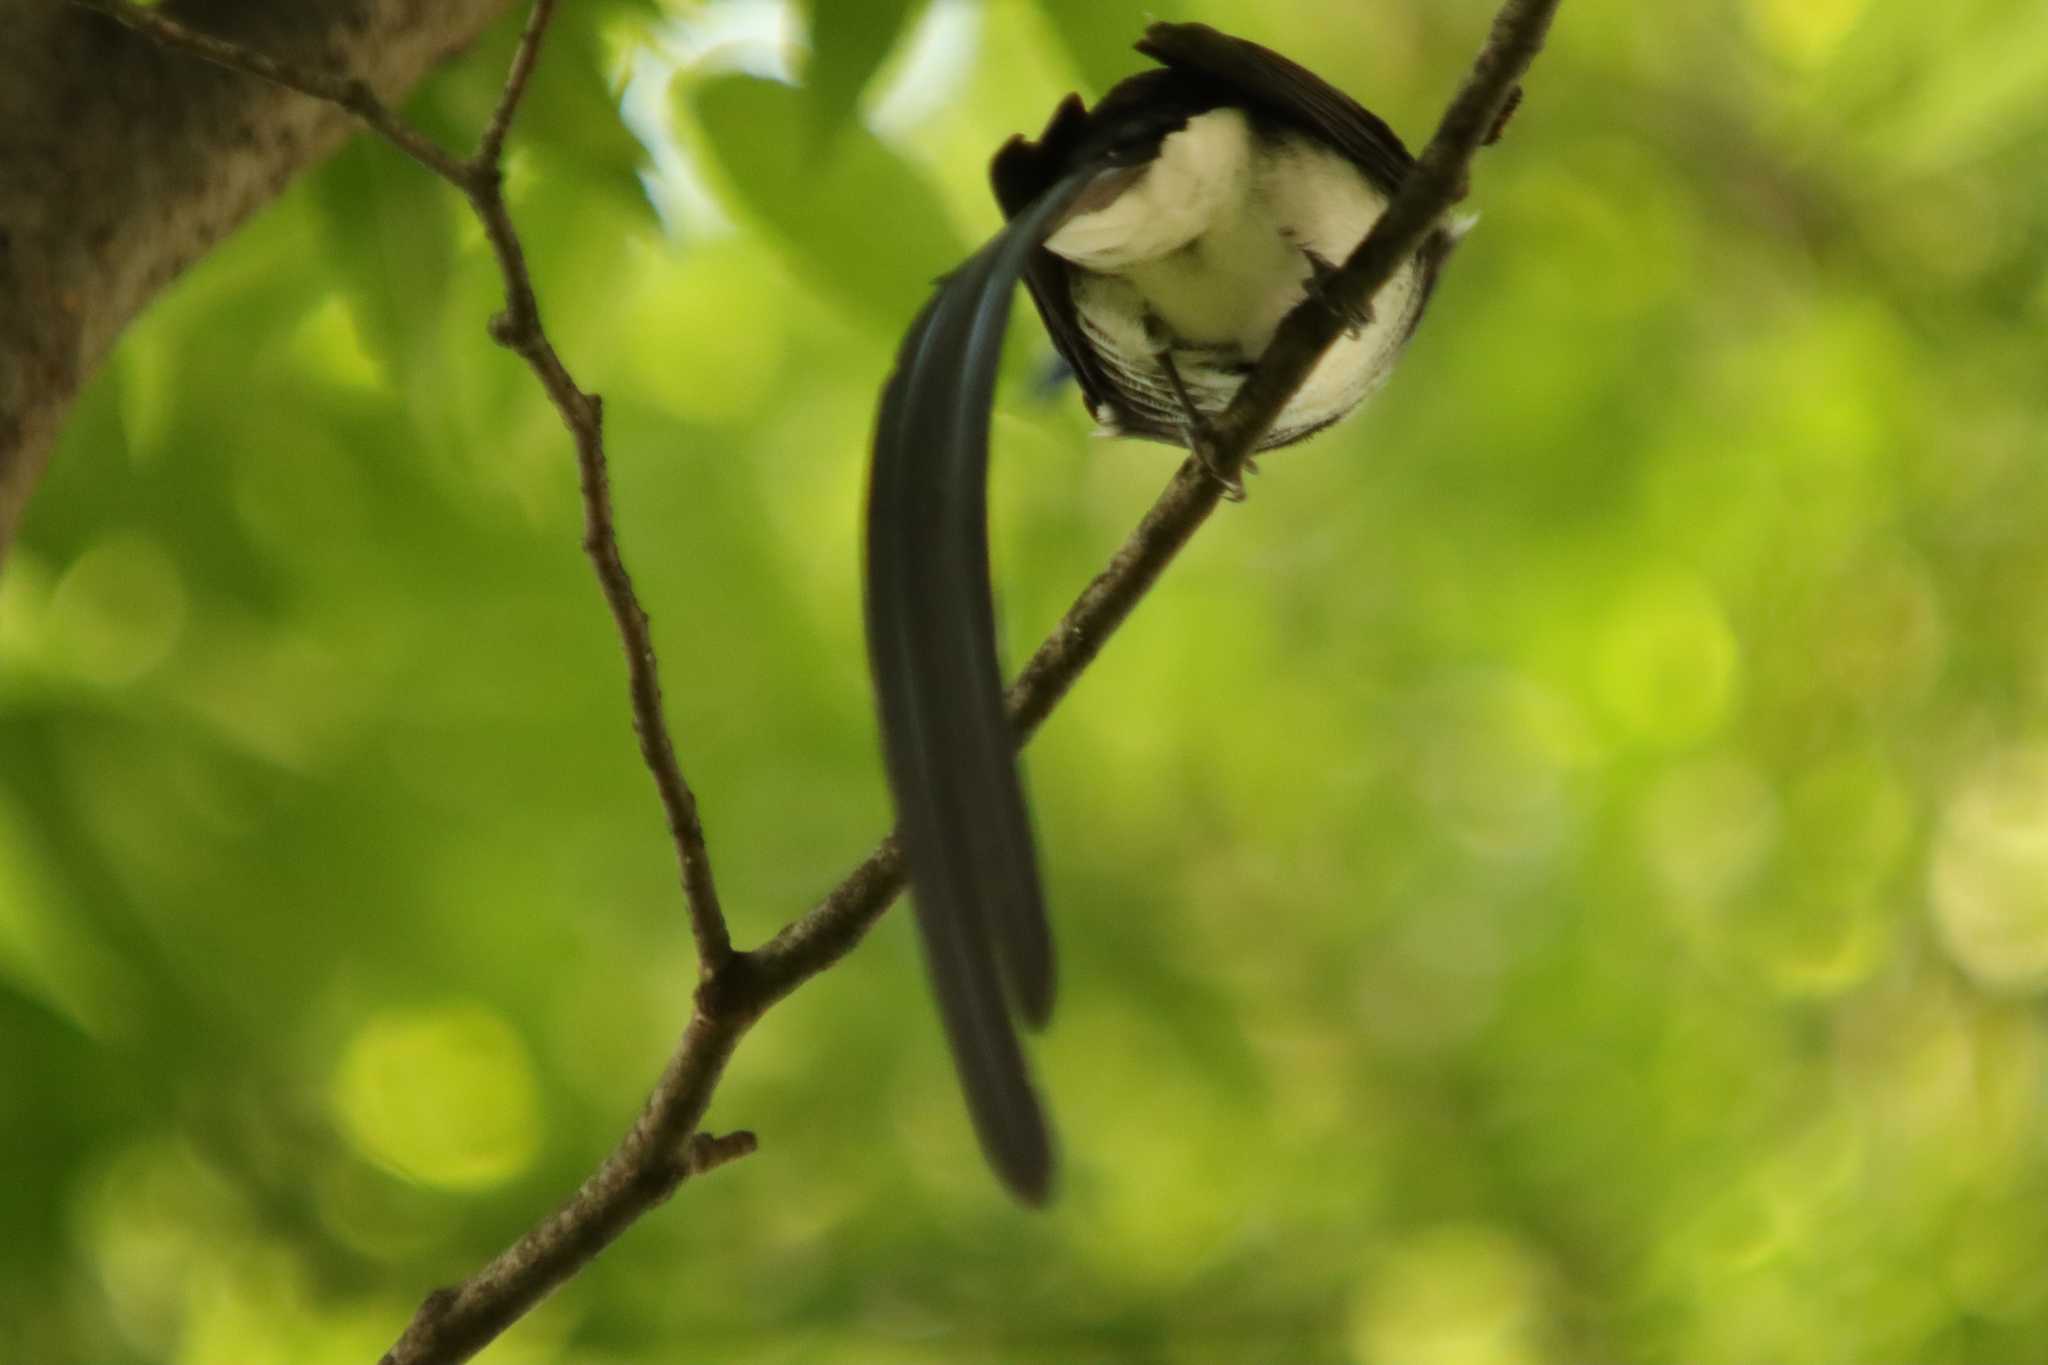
490, 147
663, 1149
831, 929
665, 1146
351, 94
1436, 184
519, 329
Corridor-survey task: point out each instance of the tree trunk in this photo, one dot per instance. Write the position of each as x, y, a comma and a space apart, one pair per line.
122, 163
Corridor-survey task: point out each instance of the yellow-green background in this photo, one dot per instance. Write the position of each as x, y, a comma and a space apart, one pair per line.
1560, 876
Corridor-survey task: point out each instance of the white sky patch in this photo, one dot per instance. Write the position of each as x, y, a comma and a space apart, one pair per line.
762, 38
934, 68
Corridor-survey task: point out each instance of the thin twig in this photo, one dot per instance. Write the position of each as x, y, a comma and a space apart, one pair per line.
491, 145
665, 1146
519, 329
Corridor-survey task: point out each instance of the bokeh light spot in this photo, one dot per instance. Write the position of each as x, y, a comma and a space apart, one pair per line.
24, 606
708, 374
156, 1222
1454, 1295
1824, 945
1492, 768
1707, 826
329, 343
444, 1096
46, 949
118, 611
1830, 923
1803, 32
1667, 663
1159, 1129
1990, 872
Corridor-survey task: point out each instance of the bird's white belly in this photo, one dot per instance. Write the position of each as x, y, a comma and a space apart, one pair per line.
1208, 249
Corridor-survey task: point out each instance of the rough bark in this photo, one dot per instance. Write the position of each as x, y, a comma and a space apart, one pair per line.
121, 163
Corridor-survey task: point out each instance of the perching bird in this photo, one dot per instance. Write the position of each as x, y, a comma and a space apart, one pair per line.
1163, 235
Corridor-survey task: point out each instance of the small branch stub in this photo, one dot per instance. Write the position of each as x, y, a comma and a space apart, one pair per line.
708, 1153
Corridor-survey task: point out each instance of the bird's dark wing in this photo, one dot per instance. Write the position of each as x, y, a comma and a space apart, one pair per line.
1267, 81
1020, 174
932, 644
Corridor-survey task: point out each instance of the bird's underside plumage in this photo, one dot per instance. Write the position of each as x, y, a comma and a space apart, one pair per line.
1313, 169
1162, 235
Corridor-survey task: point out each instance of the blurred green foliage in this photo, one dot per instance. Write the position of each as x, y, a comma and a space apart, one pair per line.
1560, 876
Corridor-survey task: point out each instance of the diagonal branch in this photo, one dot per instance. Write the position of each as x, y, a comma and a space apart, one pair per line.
519, 329
664, 1146
1438, 181
351, 94
490, 146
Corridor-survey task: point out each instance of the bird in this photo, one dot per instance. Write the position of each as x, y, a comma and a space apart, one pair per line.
1162, 235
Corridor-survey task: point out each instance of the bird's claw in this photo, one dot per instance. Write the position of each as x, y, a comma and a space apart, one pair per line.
1198, 434
1321, 273
1202, 445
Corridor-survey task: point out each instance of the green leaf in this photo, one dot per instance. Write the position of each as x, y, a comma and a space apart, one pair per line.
571, 118
864, 223
1099, 36
569, 122
390, 235
849, 43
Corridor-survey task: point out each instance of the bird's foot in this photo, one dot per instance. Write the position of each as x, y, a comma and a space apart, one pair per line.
1201, 439
1199, 435
1321, 275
